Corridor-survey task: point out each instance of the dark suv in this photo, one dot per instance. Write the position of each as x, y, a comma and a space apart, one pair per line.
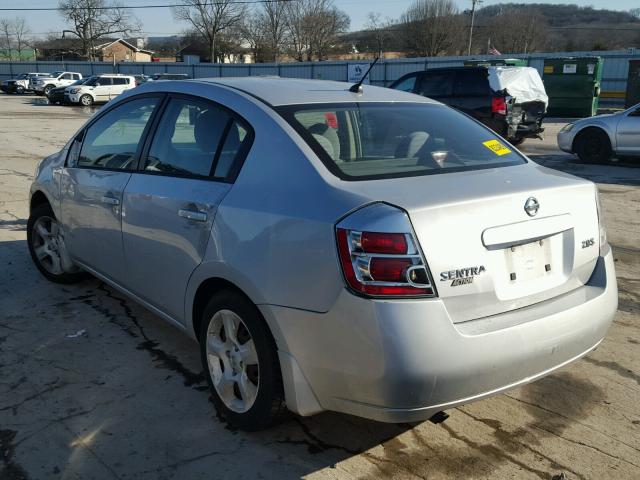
468, 89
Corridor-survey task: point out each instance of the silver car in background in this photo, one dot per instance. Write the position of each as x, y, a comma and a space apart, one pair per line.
372, 253
597, 139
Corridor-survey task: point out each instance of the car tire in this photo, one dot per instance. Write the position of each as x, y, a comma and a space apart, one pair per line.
516, 141
47, 89
86, 100
242, 369
592, 145
20, 90
44, 247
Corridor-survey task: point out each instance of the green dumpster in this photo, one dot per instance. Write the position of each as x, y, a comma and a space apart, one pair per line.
509, 62
573, 85
633, 84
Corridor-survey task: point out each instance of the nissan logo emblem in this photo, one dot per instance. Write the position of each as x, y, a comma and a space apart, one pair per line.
531, 206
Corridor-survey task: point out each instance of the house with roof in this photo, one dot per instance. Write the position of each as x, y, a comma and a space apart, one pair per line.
120, 50
111, 50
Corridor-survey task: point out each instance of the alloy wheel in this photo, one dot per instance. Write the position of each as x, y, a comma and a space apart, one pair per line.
45, 240
233, 361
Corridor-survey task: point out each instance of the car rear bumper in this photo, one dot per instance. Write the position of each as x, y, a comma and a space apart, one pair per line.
399, 361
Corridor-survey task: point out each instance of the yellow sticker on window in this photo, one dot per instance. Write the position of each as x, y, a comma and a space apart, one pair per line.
496, 147
548, 69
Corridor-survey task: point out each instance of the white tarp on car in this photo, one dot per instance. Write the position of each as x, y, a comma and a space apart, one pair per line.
522, 83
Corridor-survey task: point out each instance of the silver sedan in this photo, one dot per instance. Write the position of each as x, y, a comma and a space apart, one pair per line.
597, 139
371, 252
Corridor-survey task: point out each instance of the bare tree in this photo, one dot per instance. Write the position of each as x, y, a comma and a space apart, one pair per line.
527, 31
21, 31
379, 30
313, 27
430, 27
6, 34
210, 18
273, 20
254, 32
91, 20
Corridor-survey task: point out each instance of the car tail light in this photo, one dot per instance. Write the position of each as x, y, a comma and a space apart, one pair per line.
601, 228
499, 105
381, 264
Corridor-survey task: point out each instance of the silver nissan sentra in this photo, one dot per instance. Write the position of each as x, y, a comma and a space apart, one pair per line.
373, 252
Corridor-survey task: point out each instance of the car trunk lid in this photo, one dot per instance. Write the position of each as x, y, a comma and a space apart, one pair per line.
486, 254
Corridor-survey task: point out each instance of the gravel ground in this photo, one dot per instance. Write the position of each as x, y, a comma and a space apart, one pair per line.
94, 386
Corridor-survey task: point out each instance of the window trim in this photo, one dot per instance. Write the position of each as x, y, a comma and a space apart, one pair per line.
161, 96
241, 155
287, 113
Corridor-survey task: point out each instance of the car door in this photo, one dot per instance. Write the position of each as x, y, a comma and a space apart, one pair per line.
119, 85
65, 79
628, 132
472, 93
170, 203
102, 89
101, 159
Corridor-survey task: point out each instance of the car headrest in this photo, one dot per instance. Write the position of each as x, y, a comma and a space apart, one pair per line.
208, 128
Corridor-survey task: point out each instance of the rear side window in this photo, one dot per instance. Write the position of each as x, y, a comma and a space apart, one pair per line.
471, 83
366, 141
436, 84
112, 141
120, 81
195, 139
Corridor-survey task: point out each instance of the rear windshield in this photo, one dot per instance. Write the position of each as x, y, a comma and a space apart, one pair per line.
364, 141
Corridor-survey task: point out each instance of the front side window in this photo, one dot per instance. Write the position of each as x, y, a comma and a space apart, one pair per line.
407, 84
195, 139
112, 141
361, 141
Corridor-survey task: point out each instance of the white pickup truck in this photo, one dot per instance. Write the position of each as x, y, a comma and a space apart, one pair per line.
57, 79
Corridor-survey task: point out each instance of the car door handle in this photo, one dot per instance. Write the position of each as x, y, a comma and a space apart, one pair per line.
193, 215
109, 200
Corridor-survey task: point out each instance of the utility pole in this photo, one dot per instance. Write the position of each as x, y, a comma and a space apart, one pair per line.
473, 15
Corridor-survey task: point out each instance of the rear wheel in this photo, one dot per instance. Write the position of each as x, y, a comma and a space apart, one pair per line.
20, 90
47, 89
241, 360
45, 246
593, 146
515, 141
86, 100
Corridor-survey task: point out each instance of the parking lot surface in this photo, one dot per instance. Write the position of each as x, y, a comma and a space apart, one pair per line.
94, 386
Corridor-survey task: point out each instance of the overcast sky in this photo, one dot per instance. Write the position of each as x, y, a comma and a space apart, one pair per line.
158, 22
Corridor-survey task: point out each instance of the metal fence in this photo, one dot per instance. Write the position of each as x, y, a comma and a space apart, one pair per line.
614, 80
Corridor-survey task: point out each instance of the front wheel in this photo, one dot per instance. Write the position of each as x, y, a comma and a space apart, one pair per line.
86, 100
47, 89
20, 90
47, 249
593, 146
516, 141
240, 358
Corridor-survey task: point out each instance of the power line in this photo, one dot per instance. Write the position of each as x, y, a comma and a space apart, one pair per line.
141, 7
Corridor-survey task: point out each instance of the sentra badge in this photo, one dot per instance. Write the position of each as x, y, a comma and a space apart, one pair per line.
462, 276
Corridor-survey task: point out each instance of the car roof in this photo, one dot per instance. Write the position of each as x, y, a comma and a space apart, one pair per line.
278, 91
